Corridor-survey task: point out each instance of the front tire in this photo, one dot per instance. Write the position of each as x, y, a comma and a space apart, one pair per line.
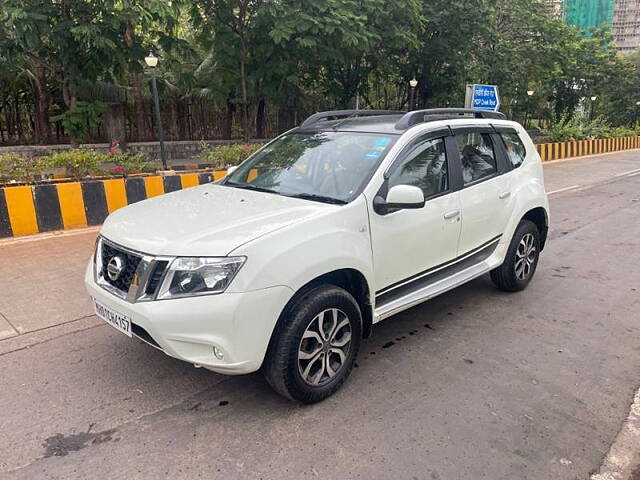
521, 260
315, 345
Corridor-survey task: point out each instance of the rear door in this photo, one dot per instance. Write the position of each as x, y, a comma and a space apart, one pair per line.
485, 197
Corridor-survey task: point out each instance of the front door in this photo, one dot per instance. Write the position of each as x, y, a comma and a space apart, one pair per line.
408, 244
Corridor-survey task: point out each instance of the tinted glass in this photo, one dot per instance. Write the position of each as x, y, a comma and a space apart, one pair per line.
477, 156
335, 165
515, 148
424, 167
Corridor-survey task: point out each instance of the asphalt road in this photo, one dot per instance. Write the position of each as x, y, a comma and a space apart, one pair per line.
474, 384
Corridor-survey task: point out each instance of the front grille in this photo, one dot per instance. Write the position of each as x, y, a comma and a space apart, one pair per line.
130, 265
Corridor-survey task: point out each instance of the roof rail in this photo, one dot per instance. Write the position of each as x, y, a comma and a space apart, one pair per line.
420, 116
337, 114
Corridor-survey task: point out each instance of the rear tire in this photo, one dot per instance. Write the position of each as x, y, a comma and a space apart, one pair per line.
521, 260
315, 345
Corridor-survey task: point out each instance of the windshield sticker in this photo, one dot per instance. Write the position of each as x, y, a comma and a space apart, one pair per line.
381, 142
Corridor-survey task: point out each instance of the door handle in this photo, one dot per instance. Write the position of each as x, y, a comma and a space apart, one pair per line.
451, 214
504, 195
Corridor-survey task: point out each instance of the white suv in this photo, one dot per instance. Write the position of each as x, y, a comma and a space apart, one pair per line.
286, 263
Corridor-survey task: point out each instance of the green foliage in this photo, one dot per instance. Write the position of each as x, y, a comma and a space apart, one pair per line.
80, 119
298, 57
223, 156
77, 163
16, 168
126, 164
619, 132
580, 128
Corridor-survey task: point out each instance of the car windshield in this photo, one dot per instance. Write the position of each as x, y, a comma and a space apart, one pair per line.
330, 167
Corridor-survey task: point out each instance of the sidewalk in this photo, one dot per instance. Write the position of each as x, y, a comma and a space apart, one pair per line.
38, 277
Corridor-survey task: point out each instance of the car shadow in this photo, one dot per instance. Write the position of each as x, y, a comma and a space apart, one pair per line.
389, 339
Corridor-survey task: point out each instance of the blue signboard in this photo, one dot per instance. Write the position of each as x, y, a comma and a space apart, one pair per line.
485, 97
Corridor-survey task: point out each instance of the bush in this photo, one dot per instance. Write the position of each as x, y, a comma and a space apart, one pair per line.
127, 164
581, 128
618, 132
222, 156
15, 168
77, 163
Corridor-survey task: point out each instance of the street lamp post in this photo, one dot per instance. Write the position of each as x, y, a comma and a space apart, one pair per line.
526, 117
152, 62
413, 83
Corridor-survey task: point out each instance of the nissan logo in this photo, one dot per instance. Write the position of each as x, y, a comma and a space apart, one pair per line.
114, 268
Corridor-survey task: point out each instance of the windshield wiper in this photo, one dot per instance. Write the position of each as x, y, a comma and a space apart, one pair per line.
316, 198
305, 196
249, 186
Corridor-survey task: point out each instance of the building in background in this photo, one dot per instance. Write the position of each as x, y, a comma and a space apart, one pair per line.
588, 14
554, 7
626, 25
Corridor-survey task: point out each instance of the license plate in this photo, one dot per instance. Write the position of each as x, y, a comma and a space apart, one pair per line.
116, 320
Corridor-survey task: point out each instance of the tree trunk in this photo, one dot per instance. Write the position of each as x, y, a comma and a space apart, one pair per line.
137, 85
9, 116
260, 118
1, 129
18, 119
69, 94
42, 104
243, 85
113, 121
173, 132
228, 124
136, 80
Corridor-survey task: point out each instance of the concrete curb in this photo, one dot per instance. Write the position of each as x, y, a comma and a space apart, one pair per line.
31, 209
583, 148
623, 460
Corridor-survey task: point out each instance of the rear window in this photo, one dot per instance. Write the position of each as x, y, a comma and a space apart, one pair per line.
515, 148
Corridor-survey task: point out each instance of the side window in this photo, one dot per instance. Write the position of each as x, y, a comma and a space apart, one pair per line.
477, 156
515, 148
425, 166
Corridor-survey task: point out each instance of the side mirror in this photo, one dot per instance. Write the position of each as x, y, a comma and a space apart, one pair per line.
230, 170
399, 197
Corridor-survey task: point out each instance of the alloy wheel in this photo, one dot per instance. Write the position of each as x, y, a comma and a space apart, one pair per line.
525, 256
324, 347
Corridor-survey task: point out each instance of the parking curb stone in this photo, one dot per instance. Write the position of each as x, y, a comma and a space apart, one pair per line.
623, 459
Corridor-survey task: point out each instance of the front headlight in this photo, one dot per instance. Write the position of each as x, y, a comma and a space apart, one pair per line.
187, 277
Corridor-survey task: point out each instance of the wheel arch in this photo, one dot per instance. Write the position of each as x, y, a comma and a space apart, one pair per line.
351, 280
540, 218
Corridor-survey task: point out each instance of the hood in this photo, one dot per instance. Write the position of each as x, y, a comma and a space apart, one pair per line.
208, 220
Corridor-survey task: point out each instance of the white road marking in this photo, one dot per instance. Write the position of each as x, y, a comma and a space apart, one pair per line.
630, 172
572, 187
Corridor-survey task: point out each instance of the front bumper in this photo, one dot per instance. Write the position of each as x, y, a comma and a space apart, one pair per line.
239, 324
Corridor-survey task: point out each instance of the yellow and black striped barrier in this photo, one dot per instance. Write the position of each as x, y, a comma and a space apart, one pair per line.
25, 210
579, 148
29, 209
